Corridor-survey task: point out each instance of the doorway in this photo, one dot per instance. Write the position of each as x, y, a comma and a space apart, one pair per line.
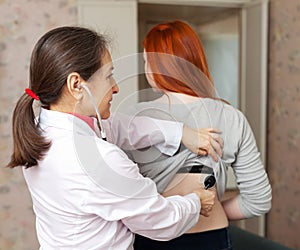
218, 30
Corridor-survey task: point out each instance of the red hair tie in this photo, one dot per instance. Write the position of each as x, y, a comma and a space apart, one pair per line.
32, 94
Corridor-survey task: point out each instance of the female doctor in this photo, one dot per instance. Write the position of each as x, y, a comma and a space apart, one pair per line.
86, 193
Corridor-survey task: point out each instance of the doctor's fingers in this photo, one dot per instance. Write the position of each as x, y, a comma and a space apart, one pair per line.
213, 149
218, 139
217, 147
206, 211
207, 207
213, 130
202, 152
207, 135
214, 134
214, 145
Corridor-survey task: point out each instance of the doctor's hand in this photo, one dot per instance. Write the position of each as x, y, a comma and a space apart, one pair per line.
207, 200
205, 141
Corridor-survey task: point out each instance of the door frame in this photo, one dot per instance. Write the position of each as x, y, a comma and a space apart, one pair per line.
253, 72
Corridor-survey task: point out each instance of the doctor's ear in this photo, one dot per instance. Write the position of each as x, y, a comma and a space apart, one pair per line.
74, 83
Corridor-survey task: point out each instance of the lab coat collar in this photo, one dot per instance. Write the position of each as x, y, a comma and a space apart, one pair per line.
70, 122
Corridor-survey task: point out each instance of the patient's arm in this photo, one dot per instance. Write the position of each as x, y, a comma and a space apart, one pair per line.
232, 209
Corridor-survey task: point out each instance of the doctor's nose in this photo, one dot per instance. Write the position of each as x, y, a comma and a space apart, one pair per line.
115, 89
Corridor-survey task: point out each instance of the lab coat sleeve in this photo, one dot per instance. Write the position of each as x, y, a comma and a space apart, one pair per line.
125, 195
165, 218
137, 132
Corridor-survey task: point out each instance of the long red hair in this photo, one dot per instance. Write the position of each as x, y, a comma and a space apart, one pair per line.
178, 63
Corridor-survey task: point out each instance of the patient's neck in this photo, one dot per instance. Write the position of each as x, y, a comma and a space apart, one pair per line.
177, 98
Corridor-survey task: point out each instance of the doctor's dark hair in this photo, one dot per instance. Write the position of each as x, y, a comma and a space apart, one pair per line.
57, 53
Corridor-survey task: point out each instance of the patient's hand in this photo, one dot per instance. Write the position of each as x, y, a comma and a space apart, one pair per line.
207, 199
205, 141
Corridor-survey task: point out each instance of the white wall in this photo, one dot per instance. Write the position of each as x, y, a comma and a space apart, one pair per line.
117, 19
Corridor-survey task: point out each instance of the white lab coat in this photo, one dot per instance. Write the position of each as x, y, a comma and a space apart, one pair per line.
87, 194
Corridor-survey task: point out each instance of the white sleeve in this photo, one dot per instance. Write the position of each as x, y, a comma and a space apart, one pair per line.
133, 132
165, 218
124, 194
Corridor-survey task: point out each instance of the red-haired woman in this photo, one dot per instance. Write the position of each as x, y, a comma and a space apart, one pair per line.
175, 64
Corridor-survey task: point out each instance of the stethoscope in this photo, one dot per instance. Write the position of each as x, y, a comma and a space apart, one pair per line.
209, 181
99, 121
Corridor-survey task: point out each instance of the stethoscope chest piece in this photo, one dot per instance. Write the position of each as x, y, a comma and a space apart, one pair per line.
209, 181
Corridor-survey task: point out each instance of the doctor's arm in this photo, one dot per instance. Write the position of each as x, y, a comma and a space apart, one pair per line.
133, 199
137, 132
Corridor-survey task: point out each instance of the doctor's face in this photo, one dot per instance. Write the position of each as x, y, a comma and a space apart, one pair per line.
103, 85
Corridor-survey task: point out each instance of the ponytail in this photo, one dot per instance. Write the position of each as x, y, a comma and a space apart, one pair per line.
29, 145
